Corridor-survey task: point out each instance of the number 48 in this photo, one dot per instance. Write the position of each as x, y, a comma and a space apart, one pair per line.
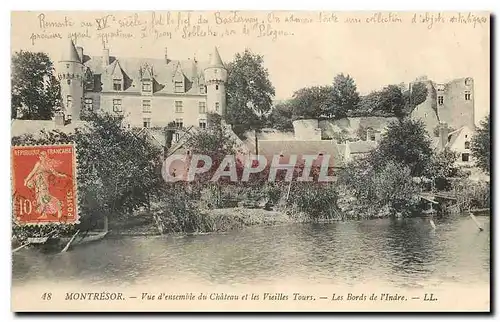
46, 296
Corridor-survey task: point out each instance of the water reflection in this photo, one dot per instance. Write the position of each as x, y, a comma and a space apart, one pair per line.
400, 252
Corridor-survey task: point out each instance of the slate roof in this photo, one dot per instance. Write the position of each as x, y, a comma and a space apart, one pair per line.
270, 148
163, 72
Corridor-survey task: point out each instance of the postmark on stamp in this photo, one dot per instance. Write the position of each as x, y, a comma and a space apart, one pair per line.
44, 184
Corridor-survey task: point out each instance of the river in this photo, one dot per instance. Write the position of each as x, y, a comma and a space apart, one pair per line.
404, 253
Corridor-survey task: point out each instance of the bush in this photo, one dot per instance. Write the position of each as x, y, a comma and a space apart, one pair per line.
318, 200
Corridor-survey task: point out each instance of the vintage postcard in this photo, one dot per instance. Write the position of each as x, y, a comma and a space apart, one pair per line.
235, 161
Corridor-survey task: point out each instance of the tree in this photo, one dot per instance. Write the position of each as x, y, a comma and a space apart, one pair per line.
118, 170
311, 102
406, 141
345, 96
417, 96
481, 145
281, 117
442, 167
249, 92
392, 100
35, 90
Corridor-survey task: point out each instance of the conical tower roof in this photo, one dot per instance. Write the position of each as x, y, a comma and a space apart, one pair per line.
215, 60
70, 53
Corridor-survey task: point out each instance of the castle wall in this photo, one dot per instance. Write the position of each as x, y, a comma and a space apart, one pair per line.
456, 111
307, 129
163, 109
426, 111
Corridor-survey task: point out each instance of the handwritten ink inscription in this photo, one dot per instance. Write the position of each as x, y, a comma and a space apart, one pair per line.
272, 25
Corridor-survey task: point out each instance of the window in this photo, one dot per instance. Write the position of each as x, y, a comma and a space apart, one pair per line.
67, 65
117, 84
69, 102
440, 100
202, 107
203, 124
179, 123
372, 137
179, 87
467, 144
117, 105
176, 137
146, 122
146, 86
89, 104
465, 157
467, 95
146, 106
203, 89
216, 87
217, 107
178, 106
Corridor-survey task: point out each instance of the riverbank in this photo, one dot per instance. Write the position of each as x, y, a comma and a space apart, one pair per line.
218, 220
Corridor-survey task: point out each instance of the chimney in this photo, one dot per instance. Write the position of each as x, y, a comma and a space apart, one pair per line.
80, 53
59, 118
166, 55
443, 135
105, 57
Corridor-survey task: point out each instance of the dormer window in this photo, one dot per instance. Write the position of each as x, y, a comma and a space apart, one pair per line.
179, 87
117, 84
147, 86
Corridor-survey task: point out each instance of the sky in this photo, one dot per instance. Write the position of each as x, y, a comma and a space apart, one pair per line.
300, 49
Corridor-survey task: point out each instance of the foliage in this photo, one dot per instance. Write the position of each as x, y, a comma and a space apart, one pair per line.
481, 145
391, 185
345, 96
392, 100
169, 131
472, 194
177, 210
34, 88
442, 167
417, 96
406, 141
249, 92
118, 170
311, 102
281, 117
318, 200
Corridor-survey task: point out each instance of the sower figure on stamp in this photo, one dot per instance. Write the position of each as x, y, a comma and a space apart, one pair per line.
38, 179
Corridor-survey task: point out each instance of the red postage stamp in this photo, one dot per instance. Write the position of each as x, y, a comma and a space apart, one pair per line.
44, 184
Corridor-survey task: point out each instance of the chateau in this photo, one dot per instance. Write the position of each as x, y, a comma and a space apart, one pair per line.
147, 92
154, 93
451, 103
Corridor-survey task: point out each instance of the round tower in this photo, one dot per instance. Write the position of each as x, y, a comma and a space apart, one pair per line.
70, 73
215, 79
